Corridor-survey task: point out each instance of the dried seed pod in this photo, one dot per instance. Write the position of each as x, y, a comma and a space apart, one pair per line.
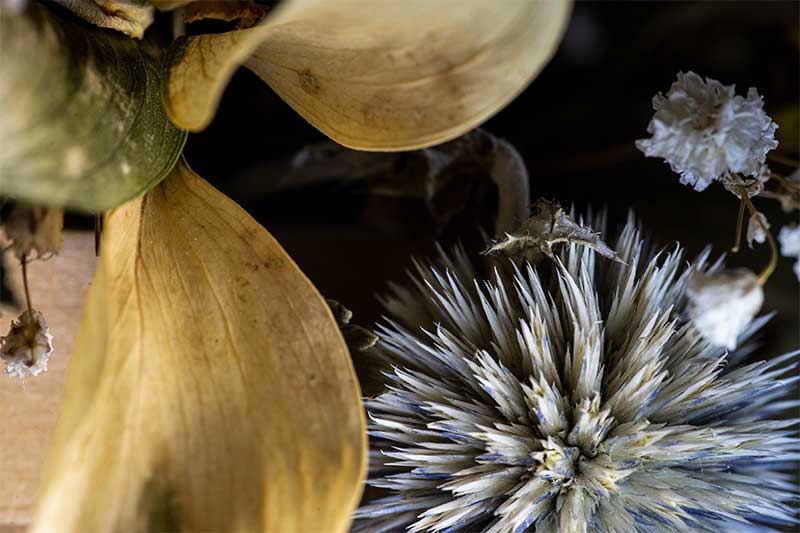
357, 338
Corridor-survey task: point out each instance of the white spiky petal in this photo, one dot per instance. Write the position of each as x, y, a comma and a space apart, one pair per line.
578, 398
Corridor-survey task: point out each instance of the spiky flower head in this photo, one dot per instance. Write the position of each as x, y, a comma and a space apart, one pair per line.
706, 132
571, 396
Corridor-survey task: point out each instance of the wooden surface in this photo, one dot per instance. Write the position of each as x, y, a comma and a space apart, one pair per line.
28, 409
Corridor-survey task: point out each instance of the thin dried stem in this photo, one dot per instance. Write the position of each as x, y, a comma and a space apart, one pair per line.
739, 222
29, 330
98, 231
783, 160
786, 183
773, 246
24, 263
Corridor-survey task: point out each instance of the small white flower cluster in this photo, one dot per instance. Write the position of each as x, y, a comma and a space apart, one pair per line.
789, 238
707, 133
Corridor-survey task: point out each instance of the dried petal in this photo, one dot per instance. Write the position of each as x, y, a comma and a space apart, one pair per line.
357, 338
757, 228
789, 238
209, 387
397, 76
723, 304
28, 345
550, 226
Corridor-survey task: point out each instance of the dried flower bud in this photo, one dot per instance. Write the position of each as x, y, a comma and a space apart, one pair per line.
356, 337
548, 227
722, 304
34, 229
757, 229
789, 238
28, 345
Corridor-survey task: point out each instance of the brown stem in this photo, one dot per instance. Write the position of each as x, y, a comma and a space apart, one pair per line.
98, 229
24, 262
739, 221
30, 331
773, 246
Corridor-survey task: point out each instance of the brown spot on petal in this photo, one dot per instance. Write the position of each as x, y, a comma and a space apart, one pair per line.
309, 82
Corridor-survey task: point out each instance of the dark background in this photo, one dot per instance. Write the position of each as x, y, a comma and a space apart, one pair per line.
575, 127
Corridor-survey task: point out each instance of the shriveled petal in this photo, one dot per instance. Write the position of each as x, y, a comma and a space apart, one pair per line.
376, 75
209, 389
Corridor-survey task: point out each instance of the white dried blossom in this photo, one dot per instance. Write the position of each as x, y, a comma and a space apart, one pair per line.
572, 397
722, 304
706, 132
789, 238
27, 347
757, 228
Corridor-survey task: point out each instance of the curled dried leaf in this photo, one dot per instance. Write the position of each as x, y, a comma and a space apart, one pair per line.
34, 229
28, 345
376, 76
456, 178
477, 180
548, 227
209, 387
130, 17
357, 338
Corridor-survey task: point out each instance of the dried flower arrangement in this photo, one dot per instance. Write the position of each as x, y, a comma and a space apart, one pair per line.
564, 379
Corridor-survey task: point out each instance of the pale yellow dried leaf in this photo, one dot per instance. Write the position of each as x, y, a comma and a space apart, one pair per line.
28, 410
210, 388
377, 74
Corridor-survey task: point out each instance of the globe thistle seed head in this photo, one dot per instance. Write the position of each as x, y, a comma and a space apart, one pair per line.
706, 132
574, 396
